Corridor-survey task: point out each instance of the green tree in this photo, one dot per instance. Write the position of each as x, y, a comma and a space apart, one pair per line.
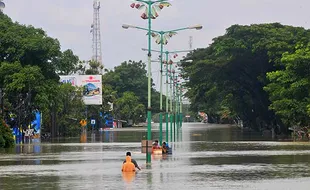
227, 78
128, 107
131, 76
109, 97
29, 60
66, 63
28, 46
71, 110
289, 88
62, 108
26, 63
95, 68
6, 137
89, 67
20, 84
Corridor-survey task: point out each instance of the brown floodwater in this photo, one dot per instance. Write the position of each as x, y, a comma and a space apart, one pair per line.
204, 156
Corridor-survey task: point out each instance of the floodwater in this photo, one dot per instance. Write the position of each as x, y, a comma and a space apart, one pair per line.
205, 157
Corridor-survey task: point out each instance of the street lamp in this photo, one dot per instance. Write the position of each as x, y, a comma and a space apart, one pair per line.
181, 94
126, 26
161, 38
2, 6
151, 9
177, 98
197, 27
167, 91
181, 106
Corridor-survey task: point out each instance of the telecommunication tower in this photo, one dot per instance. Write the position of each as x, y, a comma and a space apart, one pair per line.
2, 6
95, 30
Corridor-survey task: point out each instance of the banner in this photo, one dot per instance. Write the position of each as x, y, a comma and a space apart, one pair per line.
69, 79
92, 87
36, 124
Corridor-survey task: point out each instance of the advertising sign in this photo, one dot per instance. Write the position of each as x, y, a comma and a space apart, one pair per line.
92, 87
69, 79
36, 124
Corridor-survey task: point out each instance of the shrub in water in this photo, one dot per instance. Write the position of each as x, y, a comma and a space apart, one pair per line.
6, 136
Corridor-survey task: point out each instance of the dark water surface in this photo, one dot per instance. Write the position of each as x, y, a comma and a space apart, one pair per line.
208, 157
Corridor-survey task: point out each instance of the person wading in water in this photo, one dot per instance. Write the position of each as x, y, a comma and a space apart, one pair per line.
128, 166
132, 160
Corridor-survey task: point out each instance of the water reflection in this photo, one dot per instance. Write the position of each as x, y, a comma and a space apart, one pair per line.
128, 177
208, 157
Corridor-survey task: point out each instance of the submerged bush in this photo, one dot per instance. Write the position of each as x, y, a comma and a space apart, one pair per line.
6, 136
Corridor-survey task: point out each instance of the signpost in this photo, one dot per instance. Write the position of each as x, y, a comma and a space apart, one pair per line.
83, 122
187, 117
83, 138
93, 123
93, 135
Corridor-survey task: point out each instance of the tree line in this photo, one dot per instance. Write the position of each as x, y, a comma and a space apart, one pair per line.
256, 73
30, 65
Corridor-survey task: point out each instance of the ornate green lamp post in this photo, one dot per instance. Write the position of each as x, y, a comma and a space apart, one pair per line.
162, 39
169, 63
150, 12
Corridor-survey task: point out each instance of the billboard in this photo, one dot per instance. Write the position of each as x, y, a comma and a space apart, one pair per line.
92, 87
69, 79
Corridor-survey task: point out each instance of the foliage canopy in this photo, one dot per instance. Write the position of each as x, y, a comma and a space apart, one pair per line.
227, 79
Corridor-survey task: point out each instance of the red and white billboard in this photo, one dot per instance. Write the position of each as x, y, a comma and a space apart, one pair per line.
92, 87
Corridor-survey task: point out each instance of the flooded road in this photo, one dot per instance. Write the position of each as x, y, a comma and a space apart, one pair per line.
208, 157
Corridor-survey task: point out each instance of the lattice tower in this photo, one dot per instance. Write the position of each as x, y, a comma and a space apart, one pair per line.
95, 29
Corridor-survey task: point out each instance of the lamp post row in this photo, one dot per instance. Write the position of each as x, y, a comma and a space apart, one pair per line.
174, 114
151, 8
162, 37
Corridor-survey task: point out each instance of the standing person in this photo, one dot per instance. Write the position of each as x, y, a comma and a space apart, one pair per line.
132, 160
128, 166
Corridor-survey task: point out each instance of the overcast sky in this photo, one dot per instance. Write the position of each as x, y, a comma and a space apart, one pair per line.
69, 21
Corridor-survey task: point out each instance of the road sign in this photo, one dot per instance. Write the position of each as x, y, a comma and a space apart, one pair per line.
83, 122
93, 122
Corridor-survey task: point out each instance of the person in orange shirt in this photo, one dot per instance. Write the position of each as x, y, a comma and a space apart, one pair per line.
132, 160
128, 166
